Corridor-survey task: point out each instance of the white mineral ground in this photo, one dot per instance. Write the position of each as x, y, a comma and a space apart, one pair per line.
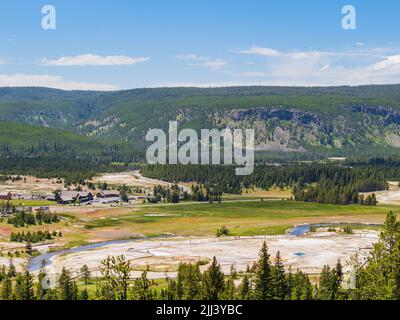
133, 178
388, 197
162, 256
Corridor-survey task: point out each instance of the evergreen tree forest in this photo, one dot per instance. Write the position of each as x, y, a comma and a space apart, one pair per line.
324, 183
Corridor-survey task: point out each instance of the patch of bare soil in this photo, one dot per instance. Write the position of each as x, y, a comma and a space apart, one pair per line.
31, 185
132, 179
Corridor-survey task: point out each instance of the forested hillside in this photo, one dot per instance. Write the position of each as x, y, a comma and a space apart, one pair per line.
17, 138
46, 152
351, 121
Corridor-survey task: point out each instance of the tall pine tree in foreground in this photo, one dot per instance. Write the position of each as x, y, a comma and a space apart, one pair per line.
141, 289
278, 279
299, 286
245, 290
6, 289
68, 289
24, 286
114, 281
263, 280
213, 282
379, 277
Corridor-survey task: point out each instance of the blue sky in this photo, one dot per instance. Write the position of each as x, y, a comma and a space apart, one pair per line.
122, 44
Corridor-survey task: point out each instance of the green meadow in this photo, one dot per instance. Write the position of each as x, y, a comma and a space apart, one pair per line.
242, 218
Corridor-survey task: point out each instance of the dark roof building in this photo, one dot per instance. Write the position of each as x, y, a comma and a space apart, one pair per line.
108, 194
5, 196
68, 197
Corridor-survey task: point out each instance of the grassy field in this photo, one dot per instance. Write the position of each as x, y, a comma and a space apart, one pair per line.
242, 218
30, 203
257, 194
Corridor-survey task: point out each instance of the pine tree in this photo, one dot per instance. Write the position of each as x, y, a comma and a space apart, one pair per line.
85, 274
245, 291
263, 280
6, 289
141, 289
84, 295
115, 272
380, 278
337, 280
229, 290
278, 279
289, 284
326, 284
188, 282
11, 270
169, 293
390, 230
24, 286
213, 282
300, 286
193, 282
68, 289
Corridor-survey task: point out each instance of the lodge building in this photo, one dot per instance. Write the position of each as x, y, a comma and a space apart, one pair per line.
69, 197
7, 196
108, 194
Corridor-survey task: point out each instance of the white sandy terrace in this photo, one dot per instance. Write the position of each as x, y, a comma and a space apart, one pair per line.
31, 185
388, 197
132, 179
309, 254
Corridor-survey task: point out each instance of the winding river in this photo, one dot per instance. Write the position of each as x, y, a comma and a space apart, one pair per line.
36, 263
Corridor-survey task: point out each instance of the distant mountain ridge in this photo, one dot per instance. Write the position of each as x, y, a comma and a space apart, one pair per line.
328, 120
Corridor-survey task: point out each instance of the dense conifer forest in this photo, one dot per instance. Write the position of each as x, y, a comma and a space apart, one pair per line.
324, 183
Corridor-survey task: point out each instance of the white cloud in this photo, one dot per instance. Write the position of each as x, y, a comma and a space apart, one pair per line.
314, 68
202, 61
192, 57
2, 61
259, 51
323, 68
215, 64
307, 54
94, 60
295, 54
389, 62
252, 74
50, 81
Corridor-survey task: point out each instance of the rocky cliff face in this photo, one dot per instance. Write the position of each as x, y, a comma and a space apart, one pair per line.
291, 129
